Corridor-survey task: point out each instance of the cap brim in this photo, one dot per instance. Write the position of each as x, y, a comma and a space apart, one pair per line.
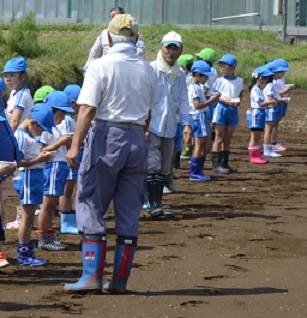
208, 74
167, 43
65, 109
48, 129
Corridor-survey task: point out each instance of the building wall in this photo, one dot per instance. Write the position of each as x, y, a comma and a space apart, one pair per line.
182, 12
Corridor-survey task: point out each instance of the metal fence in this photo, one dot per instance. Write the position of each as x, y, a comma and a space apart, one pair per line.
182, 12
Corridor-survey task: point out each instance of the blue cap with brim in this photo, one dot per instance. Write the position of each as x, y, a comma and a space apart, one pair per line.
201, 67
262, 71
274, 67
18, 64
2, 85
43, 116
72, 91
228, 59
282, 63
59, 100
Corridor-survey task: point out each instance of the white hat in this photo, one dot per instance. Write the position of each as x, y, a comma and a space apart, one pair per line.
172, 37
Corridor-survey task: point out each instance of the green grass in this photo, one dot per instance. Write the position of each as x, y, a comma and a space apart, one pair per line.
65, 50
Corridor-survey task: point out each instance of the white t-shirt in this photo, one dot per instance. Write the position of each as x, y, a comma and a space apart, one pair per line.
48, 139
67, 125
22, 100
280, 85
271, 90
28, 147
211, 80
195, 92
256, 96
228, 87
121, 86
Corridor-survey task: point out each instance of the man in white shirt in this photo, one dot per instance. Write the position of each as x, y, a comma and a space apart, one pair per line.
171, 98
114, 165
101, 46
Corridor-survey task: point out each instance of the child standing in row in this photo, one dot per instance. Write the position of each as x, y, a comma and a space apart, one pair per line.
30, 179
230, 89
55, 172
199, 114
256, 116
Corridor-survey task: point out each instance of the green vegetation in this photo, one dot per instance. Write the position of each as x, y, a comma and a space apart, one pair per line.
56, 54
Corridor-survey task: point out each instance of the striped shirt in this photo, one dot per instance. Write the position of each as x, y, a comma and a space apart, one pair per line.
195, 93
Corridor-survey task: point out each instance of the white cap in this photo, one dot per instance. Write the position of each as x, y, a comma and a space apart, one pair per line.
172, 37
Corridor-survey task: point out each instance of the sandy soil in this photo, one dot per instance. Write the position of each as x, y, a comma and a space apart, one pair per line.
236, 248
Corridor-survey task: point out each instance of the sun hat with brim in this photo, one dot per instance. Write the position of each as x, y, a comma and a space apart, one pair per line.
283, 64
172, 37
201, 67
207, 54
43, 116
59, 100
228, 59
18, 64
2, 85
42, 92
72, 91
274, 67
185, 59
261, 71
124, 24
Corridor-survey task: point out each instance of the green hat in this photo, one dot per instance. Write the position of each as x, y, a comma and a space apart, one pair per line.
207, 54
42, 93
185, 59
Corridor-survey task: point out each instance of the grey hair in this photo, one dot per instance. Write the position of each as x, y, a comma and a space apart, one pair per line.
122, 38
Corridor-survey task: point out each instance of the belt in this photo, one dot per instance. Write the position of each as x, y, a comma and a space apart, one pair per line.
106, 123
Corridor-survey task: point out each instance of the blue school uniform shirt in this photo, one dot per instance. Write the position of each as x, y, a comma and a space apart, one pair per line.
8, 143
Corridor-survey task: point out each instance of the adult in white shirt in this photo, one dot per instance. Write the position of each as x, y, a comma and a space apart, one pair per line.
101, 45
114, 165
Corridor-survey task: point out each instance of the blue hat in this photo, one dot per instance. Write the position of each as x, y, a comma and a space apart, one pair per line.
202, 67
228, 59
72, 91
274, 67
262, 71
43, 116
59, 100
18, 64
2, 85
282, 63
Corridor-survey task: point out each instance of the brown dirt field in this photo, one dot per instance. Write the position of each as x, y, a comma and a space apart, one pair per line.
236, 247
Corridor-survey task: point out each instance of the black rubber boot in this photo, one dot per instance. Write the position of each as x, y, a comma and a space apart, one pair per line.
217, 163
155, 192
226, 162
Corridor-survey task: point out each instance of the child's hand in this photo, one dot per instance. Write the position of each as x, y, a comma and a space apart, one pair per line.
6, 170
46, 156
64, 140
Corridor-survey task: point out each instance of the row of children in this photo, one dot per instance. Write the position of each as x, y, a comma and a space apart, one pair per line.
43, 129
216, 99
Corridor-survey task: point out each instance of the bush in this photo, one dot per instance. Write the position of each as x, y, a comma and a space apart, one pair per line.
22, 38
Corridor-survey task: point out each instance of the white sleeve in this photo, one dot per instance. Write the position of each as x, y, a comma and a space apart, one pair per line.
140, 46
96, 51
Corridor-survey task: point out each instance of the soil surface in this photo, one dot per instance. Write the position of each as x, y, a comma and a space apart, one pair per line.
237, 246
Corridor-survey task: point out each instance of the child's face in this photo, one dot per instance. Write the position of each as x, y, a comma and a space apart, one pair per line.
14, 81
226, 69
202, 79
35, 129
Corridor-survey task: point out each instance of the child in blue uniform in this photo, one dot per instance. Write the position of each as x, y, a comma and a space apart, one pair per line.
256, 116
55, 172
230, 89
199, 114
30, 179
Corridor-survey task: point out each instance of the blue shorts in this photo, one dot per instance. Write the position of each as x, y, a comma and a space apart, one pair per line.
201, 125
284, 109
55, 176
73, 173
256, 118
178, 137
29, 184
225, 115
212, 107
273, 114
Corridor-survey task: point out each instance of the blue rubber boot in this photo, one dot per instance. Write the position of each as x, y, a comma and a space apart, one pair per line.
123, 258
26, 255
93, 258
201, 167
195, 170
69, 222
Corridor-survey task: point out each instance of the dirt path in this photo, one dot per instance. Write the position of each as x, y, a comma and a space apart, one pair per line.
236, 248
